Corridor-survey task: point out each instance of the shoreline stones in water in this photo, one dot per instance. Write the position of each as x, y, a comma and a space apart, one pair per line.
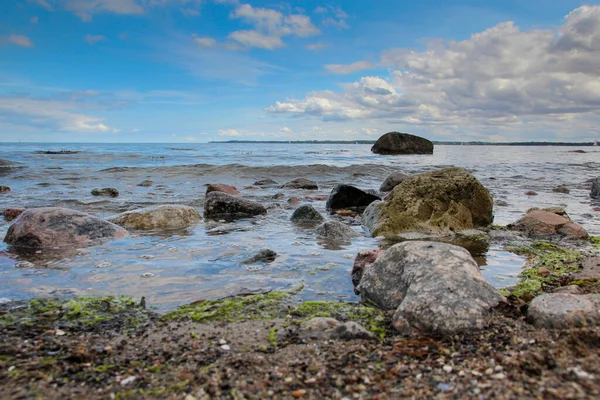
4, 189
300, 183
363, 260
595, 191
434, 288
12, 213
222, 204
549, 222
393, 180
221, 187
349, 197
306, 213
439, 202
265, 255
59, 228
266, 183
145, 183
107, 192
167, 216
335, 230
393, 143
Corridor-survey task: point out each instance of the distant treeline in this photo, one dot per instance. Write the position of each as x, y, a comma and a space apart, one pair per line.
434, 142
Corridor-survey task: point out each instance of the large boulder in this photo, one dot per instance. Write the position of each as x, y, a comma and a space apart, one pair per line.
565, 310
349, 197
300, 183
219, 204
335, 230
439, 202
434, 288
402, 143
168, 216
393, 180
221, 187
548, 222
306, 214
59, 228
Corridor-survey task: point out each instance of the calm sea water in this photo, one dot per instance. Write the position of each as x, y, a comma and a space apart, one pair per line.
205, 262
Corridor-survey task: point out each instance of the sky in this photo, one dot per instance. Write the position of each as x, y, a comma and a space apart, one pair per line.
204, 70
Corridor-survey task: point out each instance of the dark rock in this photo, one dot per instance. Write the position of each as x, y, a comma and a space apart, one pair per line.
221, 187
351, 331
108, 192
166, 216
306, 213
531, 193
402, 143
222, 204
434, 288
393, 180
578, 151
4, 189
565, 311
265, 255
12, 213
301, 183
570, 289
363, 260
348, 197
561, 189
501, 203
146, 183
595, 192
335, 230
278, 196
266, 182
58, 228
56, 152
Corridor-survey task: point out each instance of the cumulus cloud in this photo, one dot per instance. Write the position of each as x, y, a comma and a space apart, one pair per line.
333, 17
205, 42
500, 77
20, 40
93, 39
344, 69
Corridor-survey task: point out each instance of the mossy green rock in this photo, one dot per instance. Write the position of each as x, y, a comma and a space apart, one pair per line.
438, 202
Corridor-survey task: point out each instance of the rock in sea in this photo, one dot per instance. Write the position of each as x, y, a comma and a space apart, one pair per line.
306, 213
108, 192
595, 192
434, 288
4, 189
335, 230
159, 217
349, 197
265, 255
221, 187
402, 143
58, 228
549, 222
364, 259
393, 180
266, 182
12, 213
300, 183
219, 204
439, 202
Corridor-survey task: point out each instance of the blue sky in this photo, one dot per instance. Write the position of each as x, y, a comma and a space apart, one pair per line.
202, 70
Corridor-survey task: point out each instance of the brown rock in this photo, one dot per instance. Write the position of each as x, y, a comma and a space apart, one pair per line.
574, 231
4, 189
546, 223
531, 193
363, 260
12, 213
108, 192
221, 187
294, 201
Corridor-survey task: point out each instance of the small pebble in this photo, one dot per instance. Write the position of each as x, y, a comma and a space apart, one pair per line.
147, 256
105, 264
128, 380
226, 347
24, 264
60, 333
447, 368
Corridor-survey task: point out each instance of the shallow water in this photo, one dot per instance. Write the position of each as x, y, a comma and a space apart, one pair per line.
205, 262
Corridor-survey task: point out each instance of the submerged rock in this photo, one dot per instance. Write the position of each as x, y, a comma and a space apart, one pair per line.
266, 182
347, 197
306, 213
4, 189
434, 288
56, 228
335, 230
12, 213
595, 192
300, 183
108, 192
402, 143
548, 222
438, 202
363, 260
221, 187
159, 217
145, 183
561, 189
393, 180
222, 204
265, 255
565, 310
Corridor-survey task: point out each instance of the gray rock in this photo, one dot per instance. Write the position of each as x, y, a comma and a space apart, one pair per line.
306, 213
565, 310
335, 230
108, 192
570, 289
266, 182
352, 330
349, 197
221, 204
318, 328
169, 216
265, 255
393, 180
329, 328
301, 183
362, 261
4, 189
595, 192
146, 183
59, 228
434, 288
402, 143
561, 189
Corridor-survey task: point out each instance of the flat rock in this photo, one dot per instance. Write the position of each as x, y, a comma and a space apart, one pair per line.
107, 192
222, 204
539, 223
266, 182
434, 288
335, 230
145, 183
402, 143
301, 183
57, 228
564, 310
344, 197
330, 328
167, 216
221, 187
306, 213
265, 255
393, 180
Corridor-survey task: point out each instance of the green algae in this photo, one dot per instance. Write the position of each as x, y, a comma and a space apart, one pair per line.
548, 265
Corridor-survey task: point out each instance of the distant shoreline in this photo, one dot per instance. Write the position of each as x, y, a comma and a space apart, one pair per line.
455, 143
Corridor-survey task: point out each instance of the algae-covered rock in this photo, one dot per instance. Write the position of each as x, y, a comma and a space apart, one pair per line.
439, 202
434, 288
173, 216
59, 228
402, 143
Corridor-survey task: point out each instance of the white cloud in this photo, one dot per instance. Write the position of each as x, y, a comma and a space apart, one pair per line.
205, 42
43, 3
333, 17
20, 40
229, 132
335, 23
93, 39
343, 69
256, 39
316, 46
34, 20
501, 78
285, 129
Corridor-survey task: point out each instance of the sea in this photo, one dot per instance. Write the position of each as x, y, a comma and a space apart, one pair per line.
206, 261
